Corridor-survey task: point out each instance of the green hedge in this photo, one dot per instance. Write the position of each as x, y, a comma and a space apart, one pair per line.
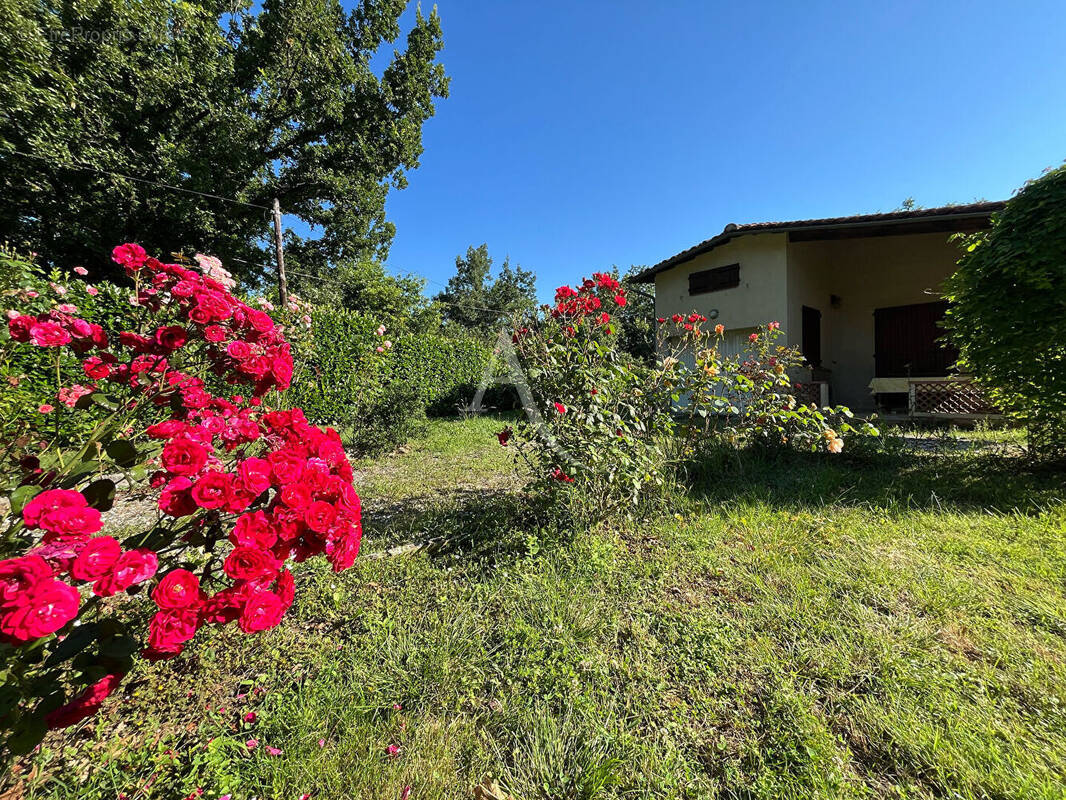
374, 398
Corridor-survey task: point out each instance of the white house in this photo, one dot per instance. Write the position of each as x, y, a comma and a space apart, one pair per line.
859, 296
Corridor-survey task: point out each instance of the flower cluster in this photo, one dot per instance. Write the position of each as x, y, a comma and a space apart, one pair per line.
587, 301
305, 505
265, 487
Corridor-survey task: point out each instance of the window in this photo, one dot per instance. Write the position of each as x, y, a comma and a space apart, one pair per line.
714, 280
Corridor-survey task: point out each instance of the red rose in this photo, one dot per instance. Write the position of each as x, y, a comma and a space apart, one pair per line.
238, 350
170, 630
96, 558
342, 552
44, 609
70, 524
254, 474
253, 530
19, 575
288, 523
48, 334
248, 563
85, 704
504, 436
286, 466
130, 256
281, 369
171, 337
134, 341
179, 588
132, 567
560, 408
262, 611
96, 368
296, 495
176, 498
223, 607
49, 501
19, 328
213, 490
167, 429
59, 555
215, 333
183, 456
286, 588
320, 515
260, 320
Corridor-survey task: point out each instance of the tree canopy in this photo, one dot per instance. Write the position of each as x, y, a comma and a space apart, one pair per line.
289, 98
475, 300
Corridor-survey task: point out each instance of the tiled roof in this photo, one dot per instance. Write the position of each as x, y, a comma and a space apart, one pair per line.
857, 222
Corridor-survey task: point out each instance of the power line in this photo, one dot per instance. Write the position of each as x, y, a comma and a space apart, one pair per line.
240, 203
139, 180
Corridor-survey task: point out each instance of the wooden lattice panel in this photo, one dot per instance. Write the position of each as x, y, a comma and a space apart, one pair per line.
956, 398
808, 393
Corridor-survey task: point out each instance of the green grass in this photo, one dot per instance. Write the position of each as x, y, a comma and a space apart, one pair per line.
871, 626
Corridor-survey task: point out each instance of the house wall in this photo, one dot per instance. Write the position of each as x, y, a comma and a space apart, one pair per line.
761, 297
865, 274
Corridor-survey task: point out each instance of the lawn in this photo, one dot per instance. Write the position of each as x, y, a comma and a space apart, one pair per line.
885, 626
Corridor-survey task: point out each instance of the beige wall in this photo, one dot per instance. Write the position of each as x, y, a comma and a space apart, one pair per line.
760, 298
866, 274
777, 279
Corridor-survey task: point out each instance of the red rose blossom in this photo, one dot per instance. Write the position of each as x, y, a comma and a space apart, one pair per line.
213, 490
248, 563
254, 474
132, 567
320, 515
176, 498
44, 609
96, 559
262, 611
48, 334
19, 575
179, 588
85, 704
169, 630
183, 456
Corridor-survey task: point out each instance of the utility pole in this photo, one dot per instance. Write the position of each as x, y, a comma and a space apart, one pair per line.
283, 284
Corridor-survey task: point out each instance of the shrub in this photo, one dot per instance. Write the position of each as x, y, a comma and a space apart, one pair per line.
606, 429
242, 490
377, 382
1008, 307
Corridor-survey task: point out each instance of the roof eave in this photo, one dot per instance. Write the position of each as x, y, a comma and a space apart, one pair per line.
732, 231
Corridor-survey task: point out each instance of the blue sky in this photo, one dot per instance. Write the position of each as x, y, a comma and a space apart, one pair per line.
584, 134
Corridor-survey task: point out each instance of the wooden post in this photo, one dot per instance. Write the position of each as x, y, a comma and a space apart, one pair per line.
283, 285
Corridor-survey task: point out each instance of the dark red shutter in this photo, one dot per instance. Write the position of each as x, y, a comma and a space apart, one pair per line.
909, 341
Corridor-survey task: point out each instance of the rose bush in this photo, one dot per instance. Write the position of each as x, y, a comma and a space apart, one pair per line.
243, 491
610, 430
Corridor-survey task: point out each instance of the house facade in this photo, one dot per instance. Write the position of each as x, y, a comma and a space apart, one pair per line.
858, 295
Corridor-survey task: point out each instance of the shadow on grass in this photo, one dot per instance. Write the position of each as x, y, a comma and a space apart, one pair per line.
890, 481
475, 525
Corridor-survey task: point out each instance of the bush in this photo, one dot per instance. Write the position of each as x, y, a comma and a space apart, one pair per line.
377, 389
606, 430
242, 490
1008, 308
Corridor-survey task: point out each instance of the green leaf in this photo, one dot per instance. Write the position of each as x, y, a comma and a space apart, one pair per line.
80, 638
28, 733
122, 452
21, 496
100, 494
